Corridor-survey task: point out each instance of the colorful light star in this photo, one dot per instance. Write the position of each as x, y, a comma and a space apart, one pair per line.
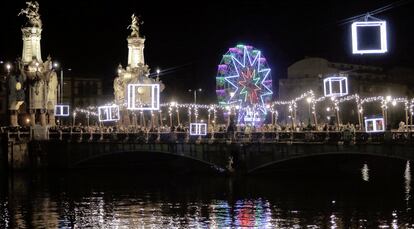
246, 80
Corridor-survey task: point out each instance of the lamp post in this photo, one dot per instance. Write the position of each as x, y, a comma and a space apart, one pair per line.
56, 65
74, 119
388, 99
158, 73
8, 67
87, 118
309, 100
178, 115
195, 93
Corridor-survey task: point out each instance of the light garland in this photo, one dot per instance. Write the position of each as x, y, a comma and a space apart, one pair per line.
292, 105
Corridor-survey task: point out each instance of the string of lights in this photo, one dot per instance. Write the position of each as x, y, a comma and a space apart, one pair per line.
271, 107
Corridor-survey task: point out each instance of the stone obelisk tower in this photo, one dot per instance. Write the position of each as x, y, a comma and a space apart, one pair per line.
135, 45
135, 72
31, 44
39, 76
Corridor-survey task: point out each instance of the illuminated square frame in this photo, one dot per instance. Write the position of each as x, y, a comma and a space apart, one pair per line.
343, 86
198, 129
155, 97
375, 126
383, 36
110, 111
60, 110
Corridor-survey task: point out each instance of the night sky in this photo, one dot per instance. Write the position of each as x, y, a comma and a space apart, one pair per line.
186, 40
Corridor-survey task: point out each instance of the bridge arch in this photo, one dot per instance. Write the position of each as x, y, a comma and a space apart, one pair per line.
150, 160
355, 154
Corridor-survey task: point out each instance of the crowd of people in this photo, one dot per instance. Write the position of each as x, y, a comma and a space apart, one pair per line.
216, 128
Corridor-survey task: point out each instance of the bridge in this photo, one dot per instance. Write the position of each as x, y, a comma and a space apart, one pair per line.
250, 153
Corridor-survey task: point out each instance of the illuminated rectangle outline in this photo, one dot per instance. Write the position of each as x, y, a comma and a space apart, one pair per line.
383, 34
108, 110
61, 114
155, 97
196, 128
339, 79
374, 121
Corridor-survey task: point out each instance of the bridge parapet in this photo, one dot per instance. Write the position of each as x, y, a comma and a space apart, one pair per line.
222, 137
250, 151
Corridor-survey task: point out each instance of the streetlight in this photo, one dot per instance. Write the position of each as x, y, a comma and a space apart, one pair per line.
74, 119
8, 67
158, 71
195, 93
388, 98
56, 65
309, 100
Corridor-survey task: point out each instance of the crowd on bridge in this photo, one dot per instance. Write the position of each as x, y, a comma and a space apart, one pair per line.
213, 128
222, 131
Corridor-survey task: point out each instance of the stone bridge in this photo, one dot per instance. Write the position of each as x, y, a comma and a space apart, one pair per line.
251, 153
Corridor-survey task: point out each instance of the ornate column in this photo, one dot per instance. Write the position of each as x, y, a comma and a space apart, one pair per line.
42, 117
32, 117
31, 44
52, 119
14, 118
125, 120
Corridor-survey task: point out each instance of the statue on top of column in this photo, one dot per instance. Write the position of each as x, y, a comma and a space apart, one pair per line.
134, 26
32, 13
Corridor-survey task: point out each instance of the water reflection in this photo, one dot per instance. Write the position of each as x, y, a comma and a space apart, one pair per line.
132, 201
365, 172
407, 178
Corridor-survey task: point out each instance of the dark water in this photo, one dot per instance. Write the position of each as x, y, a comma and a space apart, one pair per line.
129, 200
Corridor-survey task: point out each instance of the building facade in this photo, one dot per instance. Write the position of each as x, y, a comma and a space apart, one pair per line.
364, 80
83, 90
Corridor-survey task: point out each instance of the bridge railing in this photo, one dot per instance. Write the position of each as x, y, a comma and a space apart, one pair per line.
358, 137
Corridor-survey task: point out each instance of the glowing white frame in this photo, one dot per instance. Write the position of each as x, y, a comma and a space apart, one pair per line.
108, 110
341, 80
253, 116
383, 34
155, 97
196, 129
374, 124
61, 113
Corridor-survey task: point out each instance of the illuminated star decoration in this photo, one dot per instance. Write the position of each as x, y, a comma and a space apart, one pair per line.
249, 82
250, 85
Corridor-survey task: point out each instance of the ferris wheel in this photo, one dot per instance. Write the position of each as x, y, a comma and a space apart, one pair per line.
244, 81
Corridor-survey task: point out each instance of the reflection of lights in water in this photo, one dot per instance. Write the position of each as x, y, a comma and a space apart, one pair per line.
4, 215
219, 214
255, 214
365, 172
394, 223
407, 178
333, 221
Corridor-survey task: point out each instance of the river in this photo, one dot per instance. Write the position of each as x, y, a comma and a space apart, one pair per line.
92, 199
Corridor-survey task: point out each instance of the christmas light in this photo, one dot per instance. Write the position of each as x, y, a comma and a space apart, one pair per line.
243, 80
383, 36
335, 86
108, 113
61, 110
198, 129
374, 125
138, 93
